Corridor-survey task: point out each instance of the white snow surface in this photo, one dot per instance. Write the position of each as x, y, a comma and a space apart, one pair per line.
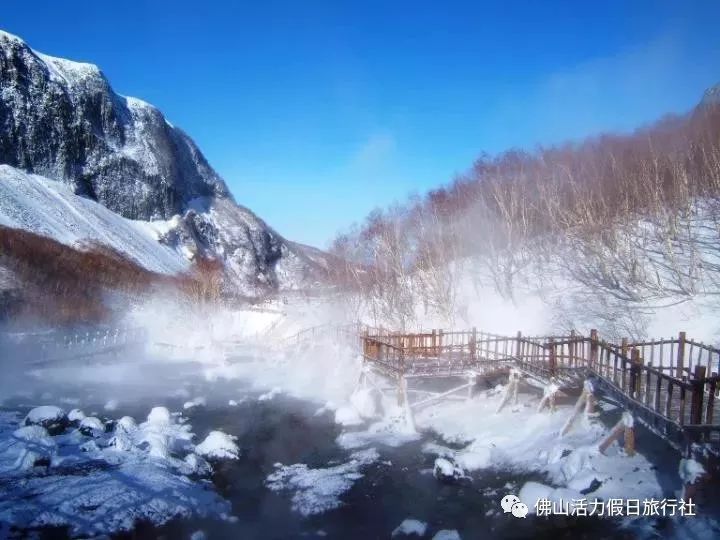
50, 209
519, 438
319, 490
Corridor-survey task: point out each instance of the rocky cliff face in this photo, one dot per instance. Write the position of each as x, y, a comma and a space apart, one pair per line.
62, 120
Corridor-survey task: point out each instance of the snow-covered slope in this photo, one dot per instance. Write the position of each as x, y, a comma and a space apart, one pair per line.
49, 208
62, 120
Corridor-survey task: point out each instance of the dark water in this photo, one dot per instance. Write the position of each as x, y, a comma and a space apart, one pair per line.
399, 485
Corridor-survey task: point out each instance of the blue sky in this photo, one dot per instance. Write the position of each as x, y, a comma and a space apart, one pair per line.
316, 112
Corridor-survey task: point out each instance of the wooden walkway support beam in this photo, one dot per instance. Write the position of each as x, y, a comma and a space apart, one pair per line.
626, 428
584, 403
680, 362
511, 390
549, 395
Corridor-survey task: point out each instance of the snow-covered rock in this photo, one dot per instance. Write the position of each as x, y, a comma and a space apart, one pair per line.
31, 445
161, 436
159, 416
99, 489
447, 471
75, 416
121, 441
48, 416
218, 445
690, 470
91, 426
319, 490
410, 527
126, 423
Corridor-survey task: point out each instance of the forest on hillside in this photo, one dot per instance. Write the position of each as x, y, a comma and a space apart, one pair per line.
635, 217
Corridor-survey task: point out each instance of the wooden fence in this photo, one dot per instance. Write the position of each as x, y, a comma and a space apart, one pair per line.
672, 384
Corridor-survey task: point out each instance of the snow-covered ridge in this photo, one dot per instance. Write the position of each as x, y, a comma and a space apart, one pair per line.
10, 37
69, 71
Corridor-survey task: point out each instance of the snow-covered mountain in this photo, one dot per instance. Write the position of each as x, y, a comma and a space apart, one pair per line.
62, 120
711, 96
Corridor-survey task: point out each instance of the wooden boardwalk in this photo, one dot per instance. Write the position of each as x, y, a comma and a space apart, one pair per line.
670, 385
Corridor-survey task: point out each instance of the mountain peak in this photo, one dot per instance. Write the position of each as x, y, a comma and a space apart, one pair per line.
711, 96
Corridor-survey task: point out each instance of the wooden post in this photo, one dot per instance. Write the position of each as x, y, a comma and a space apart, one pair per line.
440, 344
589, 403
635, 379
549, 395
613, 436
511, 391
624, 347
365, 344
518, 346
696, 405
625, 427
680, 355
472, 382
473, 345
711, 400
629, 437
434, 342
576, 412
593, 360
553, 360
572, 348
586, 401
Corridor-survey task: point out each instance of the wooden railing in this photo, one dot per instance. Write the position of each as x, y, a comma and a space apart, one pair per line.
672, 384
45, 347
